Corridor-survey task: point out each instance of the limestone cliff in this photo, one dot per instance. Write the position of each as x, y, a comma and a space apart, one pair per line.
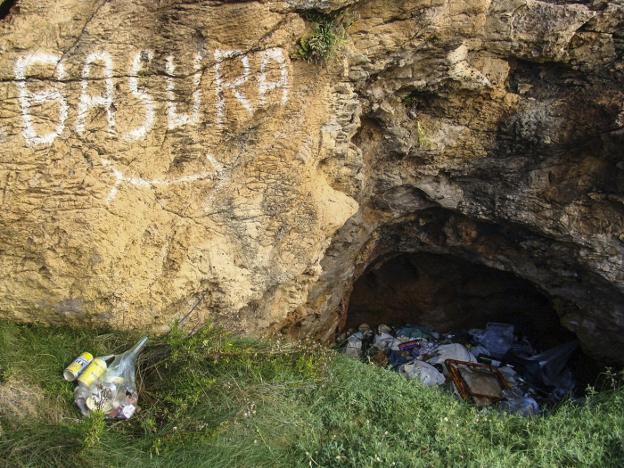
164, 158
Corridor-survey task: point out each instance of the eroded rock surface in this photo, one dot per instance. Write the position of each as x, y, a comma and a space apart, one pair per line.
165, 158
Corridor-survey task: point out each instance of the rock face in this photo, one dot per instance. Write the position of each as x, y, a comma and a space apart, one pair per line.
164, 159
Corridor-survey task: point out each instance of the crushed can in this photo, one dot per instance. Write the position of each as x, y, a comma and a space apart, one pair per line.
79, 364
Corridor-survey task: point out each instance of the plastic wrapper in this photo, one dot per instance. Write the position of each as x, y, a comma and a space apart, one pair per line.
497, 338
409, 332
451, 351
115, 392
354, 345
517, 403
426, 373
548, 370
383, 341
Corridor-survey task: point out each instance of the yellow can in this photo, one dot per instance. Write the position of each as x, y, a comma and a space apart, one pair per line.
79, 364
92, 373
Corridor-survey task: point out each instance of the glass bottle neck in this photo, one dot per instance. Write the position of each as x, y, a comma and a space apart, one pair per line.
137, 348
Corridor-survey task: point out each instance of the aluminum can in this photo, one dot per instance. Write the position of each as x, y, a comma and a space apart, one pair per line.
92, 373
79, 364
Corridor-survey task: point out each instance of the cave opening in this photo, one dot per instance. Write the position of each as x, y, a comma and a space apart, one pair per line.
446, 293
6, 7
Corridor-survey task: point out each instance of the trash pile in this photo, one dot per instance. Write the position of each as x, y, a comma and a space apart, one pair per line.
490, 366
106, 384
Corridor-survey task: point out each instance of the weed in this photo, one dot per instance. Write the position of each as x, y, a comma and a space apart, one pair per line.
94, 427
421, 136
411, 102
327, 34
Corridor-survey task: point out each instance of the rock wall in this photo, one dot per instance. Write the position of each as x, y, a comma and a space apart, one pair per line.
164, 159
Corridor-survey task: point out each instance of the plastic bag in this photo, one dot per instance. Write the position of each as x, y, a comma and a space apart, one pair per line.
548, 369
510, 374
409, 332
517, 403
451, 351
354, 345
479, 350
553, 363
383, 340
398, 358
426, 373
115, 391
497, 338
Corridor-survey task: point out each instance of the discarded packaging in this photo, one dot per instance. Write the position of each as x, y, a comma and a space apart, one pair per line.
94, 371
548, 369
383, 340
497, 338
79, 364
510, 374
354, 345
407, 345
110, 389
476, 382
454, 351
426, 373
517, 403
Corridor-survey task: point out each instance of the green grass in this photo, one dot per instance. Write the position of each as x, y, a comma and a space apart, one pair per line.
326, 34
214, 400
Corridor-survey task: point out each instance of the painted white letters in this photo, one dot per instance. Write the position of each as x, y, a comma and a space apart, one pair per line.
175, 119
271, 67
26, 98
221, 86
88, 101
265, 86
147, 100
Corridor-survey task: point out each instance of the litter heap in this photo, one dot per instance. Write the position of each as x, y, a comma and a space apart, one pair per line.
490, 366
106, 384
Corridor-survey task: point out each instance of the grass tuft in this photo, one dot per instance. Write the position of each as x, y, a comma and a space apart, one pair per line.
327, 34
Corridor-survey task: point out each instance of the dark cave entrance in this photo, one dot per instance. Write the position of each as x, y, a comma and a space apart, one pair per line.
447, 293
6, 7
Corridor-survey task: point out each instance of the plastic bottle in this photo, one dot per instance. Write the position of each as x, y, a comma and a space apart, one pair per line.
122, 369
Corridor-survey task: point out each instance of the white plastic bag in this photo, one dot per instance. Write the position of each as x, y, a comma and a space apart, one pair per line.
426, 373
354, 345
451, 351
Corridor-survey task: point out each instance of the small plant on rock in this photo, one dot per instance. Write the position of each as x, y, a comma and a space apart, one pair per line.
326, 36
421, 136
